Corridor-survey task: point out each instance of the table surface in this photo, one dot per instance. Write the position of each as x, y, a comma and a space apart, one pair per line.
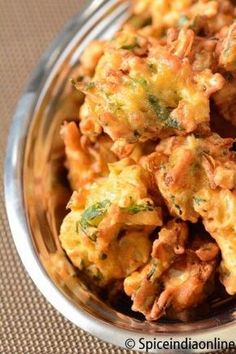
28, 324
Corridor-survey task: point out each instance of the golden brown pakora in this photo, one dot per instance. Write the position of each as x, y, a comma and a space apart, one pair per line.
178, 276
154, 202
85, 161
197, 178
141, 91
208, 15
110, 218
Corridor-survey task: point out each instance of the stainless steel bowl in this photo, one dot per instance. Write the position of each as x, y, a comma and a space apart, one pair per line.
36, 195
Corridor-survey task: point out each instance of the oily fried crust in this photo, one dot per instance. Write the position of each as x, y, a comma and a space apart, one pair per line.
203, 16
183, 276
170, 98
106, 234
148, 96
171, 242
197, 178
225, 101
181, 166
85, 161
218, 213
188, 294
227, 48
145, 284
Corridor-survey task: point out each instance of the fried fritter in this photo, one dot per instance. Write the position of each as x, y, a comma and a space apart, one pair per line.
107, 231
164, 13
200, 51
227, 48
122, 257
144, 151
141, 91
197, 177
177, 278
226, 53
186, 284
85, 161
218, 209
225, 101
182, 166
143, 285
207, 15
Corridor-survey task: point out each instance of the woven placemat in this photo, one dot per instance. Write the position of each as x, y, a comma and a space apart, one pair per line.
28, 324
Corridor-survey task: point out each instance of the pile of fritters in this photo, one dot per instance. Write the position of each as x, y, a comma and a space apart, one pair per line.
145, 164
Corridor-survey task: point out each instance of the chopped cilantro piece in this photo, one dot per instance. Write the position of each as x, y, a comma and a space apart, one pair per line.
131, 45
161, 111
139, 22
183, 20
198, 200
172, 123
94, 214
137, 208
141, 81
90, 85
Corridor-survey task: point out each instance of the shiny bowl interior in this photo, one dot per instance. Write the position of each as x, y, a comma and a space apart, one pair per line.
37, 193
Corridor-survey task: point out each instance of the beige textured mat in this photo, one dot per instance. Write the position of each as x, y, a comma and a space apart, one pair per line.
28, 324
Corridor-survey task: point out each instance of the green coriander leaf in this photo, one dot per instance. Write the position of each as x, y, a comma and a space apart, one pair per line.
137, 208
161, 111
183, 20
198, 200
94, 214
172, 123
131, 45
